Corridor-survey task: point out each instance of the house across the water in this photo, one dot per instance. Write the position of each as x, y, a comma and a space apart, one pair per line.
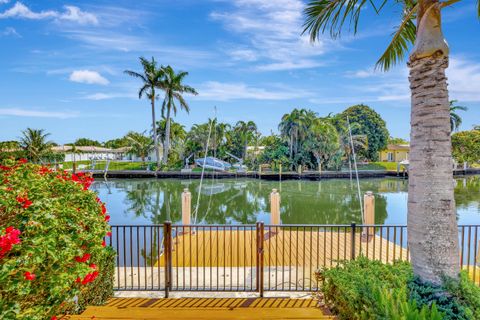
395, 153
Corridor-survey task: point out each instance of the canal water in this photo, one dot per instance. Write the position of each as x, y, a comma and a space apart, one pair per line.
245, 201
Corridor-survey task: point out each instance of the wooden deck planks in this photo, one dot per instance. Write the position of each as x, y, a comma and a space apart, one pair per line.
305, 248
205, 308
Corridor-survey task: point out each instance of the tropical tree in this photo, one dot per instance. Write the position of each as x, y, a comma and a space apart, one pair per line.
35, 143
150, 77
351, 143
139, 144
294, 126
74, 151
178, 135
368, 123
432, 223
466, 146
455, 119
172, 84
85, 142
323, 142
246, 132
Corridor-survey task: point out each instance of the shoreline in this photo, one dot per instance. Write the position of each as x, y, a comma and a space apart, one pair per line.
309, 175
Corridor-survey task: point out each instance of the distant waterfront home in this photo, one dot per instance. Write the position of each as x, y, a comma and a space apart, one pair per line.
395, 153
90, 153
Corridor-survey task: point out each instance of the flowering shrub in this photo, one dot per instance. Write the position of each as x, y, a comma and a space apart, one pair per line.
52, 242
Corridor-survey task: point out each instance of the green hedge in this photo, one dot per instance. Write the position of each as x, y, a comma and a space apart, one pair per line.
366, 289
53, 258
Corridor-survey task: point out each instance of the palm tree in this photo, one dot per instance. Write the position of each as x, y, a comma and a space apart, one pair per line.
178, 134
150, 78
432, 223
35, 144
455, 119
172, 84
246, 131
139, 144
74, 151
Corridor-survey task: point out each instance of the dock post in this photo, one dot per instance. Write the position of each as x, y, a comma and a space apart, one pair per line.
186, 208
465, 166
260, 263
352, 241
167, 253
398, 169
275, 209
280, 171
369, 212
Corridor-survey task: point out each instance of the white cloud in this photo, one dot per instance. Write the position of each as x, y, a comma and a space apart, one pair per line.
464, 79
9, 31
4, 1
71, 13
18, 112
106, 96
272, 34
221, 91
88, 76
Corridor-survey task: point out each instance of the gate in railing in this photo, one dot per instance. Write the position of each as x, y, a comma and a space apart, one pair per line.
258, 257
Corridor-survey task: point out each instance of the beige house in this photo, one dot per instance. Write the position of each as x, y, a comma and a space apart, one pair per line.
395, 153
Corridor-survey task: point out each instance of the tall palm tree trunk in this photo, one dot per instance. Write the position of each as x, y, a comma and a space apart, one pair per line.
155, 136
432, 224
166, 146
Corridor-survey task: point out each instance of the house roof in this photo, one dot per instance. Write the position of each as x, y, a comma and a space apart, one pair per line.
92, 149
403, 147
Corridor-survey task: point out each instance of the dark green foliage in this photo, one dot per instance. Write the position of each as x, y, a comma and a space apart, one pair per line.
351, 289
85, 142
466, 146
427, 294
366, 289
369, 123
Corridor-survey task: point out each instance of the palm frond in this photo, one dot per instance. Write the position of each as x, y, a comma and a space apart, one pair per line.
136, 75
402, 39
332, 14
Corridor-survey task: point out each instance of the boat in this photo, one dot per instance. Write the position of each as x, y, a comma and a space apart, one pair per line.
213, 163
405, 164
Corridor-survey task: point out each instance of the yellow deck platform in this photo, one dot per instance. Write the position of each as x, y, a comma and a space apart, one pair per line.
206, 308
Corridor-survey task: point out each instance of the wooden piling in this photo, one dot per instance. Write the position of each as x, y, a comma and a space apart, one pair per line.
186, 207
369, 214
275, 208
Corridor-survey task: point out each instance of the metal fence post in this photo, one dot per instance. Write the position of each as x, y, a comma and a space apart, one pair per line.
167, 235
352, 241
260, 228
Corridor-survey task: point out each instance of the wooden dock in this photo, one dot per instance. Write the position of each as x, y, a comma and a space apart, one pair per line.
232, 248
206, 308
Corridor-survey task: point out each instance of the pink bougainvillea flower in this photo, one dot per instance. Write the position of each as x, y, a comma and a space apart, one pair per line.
84, 258
103, 208
109, 233
93, 266
107, 218
22, 160
8, 240
29, 276
53, 318
104, 243
78, 280
24, 201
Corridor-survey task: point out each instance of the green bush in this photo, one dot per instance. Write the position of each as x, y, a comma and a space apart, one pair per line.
52, 248
366, 289
351, 290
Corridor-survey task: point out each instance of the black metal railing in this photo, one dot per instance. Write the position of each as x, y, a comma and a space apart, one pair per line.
256, 258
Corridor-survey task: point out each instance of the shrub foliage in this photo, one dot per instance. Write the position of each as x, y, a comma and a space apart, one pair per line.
56, 260
366, 289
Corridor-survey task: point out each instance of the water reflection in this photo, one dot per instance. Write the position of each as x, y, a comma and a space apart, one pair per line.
231, 201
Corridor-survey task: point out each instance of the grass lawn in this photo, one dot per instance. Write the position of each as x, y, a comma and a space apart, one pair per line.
390, 166
114, 165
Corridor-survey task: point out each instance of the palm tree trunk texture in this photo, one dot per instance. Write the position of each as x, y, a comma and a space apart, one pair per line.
432, 223
166, 146
155, 136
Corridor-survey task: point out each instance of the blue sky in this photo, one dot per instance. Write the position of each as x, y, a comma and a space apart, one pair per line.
62, 64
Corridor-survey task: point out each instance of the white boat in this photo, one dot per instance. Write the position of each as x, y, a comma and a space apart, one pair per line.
213, 163
405, 164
